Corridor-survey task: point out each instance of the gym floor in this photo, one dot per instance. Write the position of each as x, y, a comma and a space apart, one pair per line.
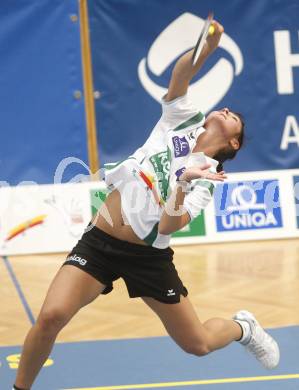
118, 343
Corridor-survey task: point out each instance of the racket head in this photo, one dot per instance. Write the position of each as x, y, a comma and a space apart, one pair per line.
202, 38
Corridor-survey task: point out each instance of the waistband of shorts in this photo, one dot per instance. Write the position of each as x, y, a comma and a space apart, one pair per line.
146, 249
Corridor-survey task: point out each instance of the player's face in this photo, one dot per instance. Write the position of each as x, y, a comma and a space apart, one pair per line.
229, 124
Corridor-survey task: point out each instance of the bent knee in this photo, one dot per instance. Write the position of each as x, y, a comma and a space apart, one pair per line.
197, 349
52, 320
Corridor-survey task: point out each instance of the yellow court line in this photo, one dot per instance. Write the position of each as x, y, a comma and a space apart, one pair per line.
192, 383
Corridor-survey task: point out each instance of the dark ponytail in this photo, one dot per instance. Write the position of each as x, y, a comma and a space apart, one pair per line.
229, 153
220, 167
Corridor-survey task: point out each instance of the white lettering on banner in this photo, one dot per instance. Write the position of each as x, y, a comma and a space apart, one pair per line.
285, 62
290, 133
258, 219
271, 201
243, 198
241, 203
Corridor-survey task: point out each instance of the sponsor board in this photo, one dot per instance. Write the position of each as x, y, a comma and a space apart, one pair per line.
220, 83
296, 196
195, 228
42, 218
51, 218
248, 205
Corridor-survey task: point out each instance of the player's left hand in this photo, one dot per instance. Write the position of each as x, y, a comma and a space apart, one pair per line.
202, 172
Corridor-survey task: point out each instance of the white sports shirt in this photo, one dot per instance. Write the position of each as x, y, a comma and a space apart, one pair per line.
146, 178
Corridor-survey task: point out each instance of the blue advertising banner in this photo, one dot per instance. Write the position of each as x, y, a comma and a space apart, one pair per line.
41, 92
255, 71
248, 205
296, 195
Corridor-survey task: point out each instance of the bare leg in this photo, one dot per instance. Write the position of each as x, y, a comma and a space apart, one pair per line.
183, 325
70, 290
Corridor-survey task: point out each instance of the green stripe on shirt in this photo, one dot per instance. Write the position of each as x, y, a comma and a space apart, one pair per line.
115, 164
192, 121
152, 236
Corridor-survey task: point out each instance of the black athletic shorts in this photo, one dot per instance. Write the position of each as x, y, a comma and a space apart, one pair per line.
147, 271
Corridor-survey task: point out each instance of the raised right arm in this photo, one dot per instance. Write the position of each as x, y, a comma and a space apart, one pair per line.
184, 71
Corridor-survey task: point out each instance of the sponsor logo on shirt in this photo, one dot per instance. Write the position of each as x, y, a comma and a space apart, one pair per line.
248, 205
179, 172
180, 146
77, 259
161, 164
296, 195
191, 135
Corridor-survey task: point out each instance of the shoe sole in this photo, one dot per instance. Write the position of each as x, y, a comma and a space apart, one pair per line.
244, 315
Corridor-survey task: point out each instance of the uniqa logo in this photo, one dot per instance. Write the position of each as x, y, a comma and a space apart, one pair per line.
174, 40
181, 146
240, 203
246, 211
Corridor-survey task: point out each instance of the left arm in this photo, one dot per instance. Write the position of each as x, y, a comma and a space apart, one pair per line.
175, 216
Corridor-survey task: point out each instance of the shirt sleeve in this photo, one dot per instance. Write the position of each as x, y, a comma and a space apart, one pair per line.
179, 114
198, 198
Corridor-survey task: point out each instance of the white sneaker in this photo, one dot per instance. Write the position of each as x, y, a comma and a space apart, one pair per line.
260, 344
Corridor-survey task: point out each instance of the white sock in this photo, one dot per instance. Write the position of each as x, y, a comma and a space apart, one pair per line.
246, 332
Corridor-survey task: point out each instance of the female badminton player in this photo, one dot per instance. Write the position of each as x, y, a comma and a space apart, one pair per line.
153, 193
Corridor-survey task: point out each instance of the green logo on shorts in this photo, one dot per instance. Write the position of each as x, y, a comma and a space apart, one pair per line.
161, 163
